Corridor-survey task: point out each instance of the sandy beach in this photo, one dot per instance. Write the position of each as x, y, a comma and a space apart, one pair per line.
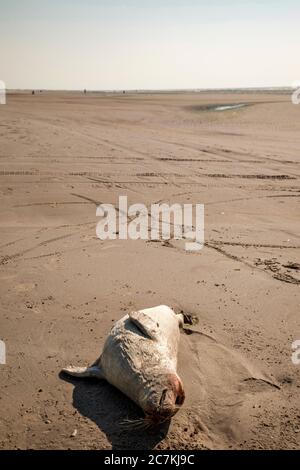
61, 155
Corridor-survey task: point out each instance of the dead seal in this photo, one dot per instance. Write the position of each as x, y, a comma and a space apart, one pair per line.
140, 359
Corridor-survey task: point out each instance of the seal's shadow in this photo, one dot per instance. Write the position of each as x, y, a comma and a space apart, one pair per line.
108, 408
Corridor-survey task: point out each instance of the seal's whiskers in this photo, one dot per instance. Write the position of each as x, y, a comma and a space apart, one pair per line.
133, 423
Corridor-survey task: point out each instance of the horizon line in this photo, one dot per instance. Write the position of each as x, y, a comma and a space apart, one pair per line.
141, 90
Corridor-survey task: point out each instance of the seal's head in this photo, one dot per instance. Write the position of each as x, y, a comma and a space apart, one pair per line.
164, 399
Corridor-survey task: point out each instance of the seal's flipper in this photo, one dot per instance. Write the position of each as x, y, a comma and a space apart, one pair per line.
93, 372
180, 319
145, 324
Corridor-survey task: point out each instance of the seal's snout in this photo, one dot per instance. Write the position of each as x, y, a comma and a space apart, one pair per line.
175, 387
180, 395
171, 399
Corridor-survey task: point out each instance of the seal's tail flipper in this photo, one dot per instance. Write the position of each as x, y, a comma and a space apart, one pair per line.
93, 372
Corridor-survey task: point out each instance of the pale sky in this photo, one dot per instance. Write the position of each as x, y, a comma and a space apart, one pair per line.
158, 44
